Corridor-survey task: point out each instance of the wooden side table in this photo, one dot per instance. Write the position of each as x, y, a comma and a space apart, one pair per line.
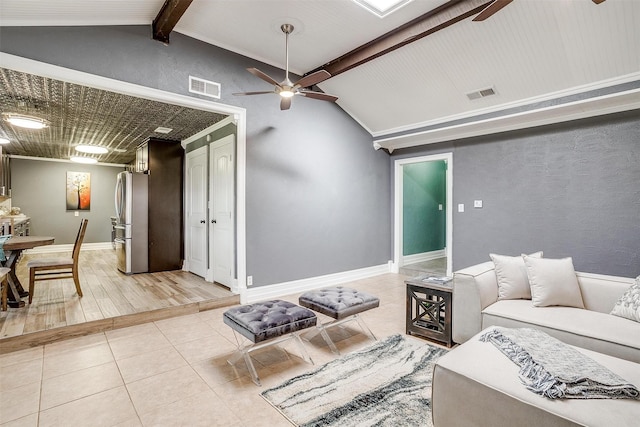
429, 309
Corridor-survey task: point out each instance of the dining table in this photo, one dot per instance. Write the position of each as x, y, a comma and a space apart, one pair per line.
13, 249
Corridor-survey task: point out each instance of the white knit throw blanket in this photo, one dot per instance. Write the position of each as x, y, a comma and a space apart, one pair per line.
556, 370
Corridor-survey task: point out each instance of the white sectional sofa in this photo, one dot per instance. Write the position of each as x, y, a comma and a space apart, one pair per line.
476, 385
476, 306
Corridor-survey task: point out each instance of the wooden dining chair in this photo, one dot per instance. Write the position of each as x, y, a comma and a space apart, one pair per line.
4, 272
57, 268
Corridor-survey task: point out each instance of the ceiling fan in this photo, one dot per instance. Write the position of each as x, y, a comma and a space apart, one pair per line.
496, 5
286, 88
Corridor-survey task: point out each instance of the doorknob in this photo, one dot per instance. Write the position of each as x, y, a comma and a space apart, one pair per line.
213, 221
202, 221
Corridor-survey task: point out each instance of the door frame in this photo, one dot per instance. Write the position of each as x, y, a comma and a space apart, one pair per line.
237, 114
398, 203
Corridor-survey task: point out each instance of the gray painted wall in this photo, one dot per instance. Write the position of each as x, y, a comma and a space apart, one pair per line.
571, 189
39, 191
317, 193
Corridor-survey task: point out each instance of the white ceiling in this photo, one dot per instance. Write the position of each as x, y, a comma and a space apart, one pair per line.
529, 51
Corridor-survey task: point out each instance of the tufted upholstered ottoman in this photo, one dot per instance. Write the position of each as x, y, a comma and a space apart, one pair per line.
267, 323
341, 303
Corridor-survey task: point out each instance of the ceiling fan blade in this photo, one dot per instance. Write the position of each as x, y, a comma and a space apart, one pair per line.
597, 1
285, 103
318, 95
313, 78
491, 9
254, 93
259, 74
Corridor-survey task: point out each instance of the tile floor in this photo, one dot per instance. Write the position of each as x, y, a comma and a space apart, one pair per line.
171, 372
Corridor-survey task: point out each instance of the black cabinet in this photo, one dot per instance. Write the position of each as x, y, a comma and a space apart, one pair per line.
164, 164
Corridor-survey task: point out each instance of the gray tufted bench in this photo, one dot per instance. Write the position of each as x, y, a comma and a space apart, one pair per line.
341, 303
267, 323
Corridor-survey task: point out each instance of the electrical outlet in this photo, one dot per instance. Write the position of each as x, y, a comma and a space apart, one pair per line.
249, 281
440, 207
76, 213
477, 203
460, 207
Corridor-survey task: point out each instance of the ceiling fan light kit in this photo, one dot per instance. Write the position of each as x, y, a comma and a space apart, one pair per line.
286, 88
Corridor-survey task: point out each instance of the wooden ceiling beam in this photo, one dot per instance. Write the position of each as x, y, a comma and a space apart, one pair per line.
168, 17
435, 20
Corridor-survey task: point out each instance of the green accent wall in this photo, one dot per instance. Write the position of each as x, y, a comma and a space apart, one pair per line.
423, 223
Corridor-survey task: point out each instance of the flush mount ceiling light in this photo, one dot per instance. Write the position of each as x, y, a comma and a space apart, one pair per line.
87, 160
382, 8
93, 149
4, 141
161, 129
26, 121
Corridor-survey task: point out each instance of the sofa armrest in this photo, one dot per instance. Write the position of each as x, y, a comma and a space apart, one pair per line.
474, 288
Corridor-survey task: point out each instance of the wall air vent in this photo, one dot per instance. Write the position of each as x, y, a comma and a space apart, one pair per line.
204, 87
482, 93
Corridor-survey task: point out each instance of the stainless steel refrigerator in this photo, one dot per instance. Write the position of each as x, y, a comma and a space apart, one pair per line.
132, 227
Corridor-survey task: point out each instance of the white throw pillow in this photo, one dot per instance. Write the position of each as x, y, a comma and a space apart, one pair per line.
553, 282
628, 306
511, 273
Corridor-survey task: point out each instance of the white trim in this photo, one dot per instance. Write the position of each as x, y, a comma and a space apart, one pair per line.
613, 103
69, 247
261, 293
44, 159
239, 115
520, 103
207, 131
424, 256
397, 207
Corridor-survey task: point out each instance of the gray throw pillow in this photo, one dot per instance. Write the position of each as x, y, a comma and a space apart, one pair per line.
628, 306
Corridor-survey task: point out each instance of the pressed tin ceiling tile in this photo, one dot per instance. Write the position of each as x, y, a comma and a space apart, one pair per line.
83, 115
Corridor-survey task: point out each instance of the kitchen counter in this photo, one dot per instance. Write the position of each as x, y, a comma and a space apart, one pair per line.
17, 225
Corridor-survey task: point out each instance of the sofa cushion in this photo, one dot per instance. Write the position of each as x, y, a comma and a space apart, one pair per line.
475, 376
553, 282
511, 274
583, 328
628, 306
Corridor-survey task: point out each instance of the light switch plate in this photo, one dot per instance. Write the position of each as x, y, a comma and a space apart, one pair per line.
460, 207
477, 203
440, 207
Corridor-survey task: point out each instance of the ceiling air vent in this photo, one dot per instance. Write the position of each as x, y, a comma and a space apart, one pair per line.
204, 87
482, 93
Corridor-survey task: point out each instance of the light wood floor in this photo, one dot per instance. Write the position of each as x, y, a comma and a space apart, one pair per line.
111, 300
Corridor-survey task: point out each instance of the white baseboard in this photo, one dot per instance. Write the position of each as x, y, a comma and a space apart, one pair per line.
68, 248
262, 293
424, 256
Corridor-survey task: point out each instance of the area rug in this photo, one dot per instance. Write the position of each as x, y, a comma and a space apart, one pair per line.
386, 384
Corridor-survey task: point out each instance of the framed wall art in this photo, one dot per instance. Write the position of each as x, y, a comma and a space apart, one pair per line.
78, 191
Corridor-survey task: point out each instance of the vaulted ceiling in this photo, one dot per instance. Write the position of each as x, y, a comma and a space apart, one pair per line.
529, 52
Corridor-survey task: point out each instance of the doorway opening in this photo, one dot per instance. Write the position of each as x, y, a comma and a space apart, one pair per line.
423, 234
237, 114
